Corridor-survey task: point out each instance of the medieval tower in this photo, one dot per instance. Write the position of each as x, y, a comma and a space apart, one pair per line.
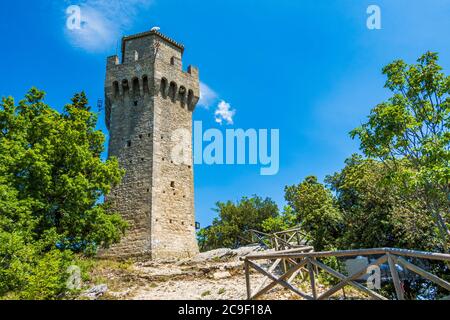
148, 97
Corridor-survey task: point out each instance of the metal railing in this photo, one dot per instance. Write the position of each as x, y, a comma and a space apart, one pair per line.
305, 261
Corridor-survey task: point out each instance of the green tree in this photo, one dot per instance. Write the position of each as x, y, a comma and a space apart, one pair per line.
315, 212
374, 212
410, 134
285, 220
234, 220
51, 180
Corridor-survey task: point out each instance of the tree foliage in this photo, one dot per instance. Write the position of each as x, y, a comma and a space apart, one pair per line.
234, 220
315, 212
374, 211
51, 180
285, 220
410, 134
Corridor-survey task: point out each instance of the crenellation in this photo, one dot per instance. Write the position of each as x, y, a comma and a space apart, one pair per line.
193, 71
112, 60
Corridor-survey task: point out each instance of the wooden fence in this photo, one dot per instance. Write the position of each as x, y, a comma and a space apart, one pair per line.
306, 263
283, 240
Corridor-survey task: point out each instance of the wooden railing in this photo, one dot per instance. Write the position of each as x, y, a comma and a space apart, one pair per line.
283, 240
305, 262
256, 237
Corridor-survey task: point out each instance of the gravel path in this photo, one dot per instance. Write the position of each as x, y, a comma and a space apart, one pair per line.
214, 275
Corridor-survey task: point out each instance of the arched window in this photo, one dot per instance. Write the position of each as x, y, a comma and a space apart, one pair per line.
116, 88
136, 90
182, 95
145, 84
125, 86
190, 99
173, 91
164, 87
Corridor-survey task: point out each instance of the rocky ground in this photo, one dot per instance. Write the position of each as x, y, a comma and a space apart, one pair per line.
213, 275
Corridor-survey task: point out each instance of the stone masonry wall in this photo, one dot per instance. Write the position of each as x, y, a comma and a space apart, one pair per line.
148, 97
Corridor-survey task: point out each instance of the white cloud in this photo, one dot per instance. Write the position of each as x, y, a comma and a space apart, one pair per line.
224, 113
103, 22
207, 96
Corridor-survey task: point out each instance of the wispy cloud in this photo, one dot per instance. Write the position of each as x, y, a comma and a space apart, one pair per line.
103, 22
224, 113
207, 96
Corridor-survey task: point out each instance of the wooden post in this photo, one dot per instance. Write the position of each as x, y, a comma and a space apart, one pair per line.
395, 278
247, 279
312, 278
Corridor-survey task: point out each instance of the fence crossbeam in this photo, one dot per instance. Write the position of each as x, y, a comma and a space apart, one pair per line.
350, 282
280, 280
427, 275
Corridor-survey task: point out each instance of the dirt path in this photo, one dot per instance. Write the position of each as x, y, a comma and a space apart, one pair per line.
214, 275
195, 289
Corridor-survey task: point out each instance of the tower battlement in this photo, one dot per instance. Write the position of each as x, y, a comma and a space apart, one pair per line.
151, 63
147, 97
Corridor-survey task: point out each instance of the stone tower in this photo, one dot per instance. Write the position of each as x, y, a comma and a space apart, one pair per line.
148, 97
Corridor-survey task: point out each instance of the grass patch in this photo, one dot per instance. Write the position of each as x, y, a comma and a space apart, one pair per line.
206, 293
97, 271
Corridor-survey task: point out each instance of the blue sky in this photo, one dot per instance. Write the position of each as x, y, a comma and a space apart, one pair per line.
308, 68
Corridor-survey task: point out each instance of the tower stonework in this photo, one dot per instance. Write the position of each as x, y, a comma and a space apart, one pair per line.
148, 97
